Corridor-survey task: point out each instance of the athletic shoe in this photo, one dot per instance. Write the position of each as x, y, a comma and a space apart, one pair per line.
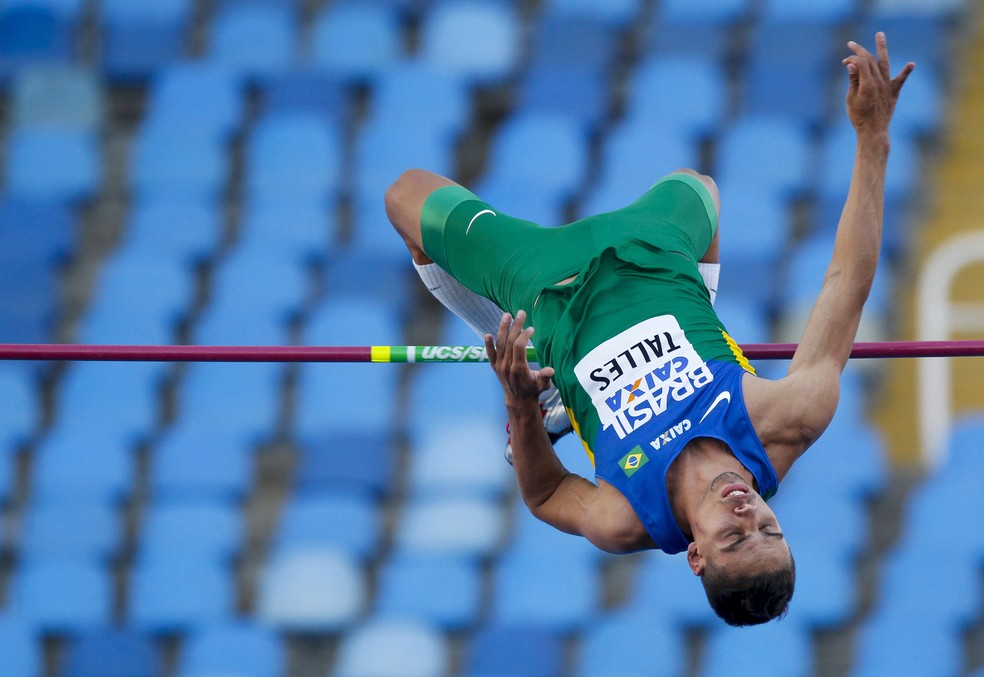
555, 419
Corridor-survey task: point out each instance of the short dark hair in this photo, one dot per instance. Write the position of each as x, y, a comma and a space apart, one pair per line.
749, 599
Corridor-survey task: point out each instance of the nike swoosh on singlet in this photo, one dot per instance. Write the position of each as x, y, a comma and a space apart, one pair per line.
484, 211
722, 397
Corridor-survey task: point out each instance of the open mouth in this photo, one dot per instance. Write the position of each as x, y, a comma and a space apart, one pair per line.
733, 490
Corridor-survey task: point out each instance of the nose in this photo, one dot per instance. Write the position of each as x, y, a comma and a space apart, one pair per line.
746, 508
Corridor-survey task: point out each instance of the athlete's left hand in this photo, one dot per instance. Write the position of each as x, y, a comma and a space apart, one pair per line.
507, 355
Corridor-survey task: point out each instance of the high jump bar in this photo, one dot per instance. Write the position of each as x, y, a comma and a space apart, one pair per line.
415, 354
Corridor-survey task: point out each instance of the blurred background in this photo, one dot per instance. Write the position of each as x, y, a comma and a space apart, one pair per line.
212, 172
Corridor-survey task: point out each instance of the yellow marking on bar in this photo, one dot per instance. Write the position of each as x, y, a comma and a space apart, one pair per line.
381, 353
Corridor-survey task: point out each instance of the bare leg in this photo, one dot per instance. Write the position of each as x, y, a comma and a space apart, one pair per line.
404, 202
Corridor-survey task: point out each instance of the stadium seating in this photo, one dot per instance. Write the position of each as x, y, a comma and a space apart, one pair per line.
240, 648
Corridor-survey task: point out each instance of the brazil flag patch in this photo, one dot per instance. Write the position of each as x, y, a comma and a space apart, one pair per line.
632, 461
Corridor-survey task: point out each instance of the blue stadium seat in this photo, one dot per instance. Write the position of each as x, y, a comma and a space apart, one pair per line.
240, 401
615, 13
385, 279
546, 590
826, 582
696, 113
636, 154
293, 155
348, 521
311, 590
915, 33
469, 527
206, 529
895, 644
177, 592
393, 648
62, 596
786, 647
843, 535
172, 231
290, 230
519, 650
79, 462
462, 457
444, 591
531, 536
420, 99
834, 12
20, 655
666, 587
195, 95
243, 648
308, 90
57, 95
171, 162
112, 653
440, 397
773, 150
85, 530
448, 33
631, 644
21, 411
359, 460
36, 32
36, 231
358, 42
702, 28
255, 40
29, 301
139, 38
52, 163
198, 461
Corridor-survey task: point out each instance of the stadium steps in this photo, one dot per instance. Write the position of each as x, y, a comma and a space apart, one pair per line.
952, 203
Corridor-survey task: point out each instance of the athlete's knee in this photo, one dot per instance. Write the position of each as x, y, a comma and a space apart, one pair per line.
709, 184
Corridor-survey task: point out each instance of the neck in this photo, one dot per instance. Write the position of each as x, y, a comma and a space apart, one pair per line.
690, 475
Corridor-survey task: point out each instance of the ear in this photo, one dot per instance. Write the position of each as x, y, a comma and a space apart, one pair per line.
695, 560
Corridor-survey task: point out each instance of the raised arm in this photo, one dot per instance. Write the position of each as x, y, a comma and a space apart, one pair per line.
805, 400
553, 494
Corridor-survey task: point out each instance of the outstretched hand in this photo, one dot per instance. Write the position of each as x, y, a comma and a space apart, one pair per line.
872, 92
507, 355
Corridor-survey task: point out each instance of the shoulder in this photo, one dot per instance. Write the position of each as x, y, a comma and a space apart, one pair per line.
789, 414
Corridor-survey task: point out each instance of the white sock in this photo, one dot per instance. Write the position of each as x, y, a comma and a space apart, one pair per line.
710, 272
478, 312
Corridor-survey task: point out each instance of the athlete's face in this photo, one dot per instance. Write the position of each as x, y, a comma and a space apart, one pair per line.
736, 529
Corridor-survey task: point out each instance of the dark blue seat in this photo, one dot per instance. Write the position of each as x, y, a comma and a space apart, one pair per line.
139, 38
356, 41
112, 653
702, 28
519, 650
20, 654
786, 646
346, 459
39, 231
34, 33
350, 521
244, 648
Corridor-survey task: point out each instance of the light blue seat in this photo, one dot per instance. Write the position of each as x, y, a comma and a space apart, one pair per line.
62, 596
785, 646
460, 457
20, 655
112, 653
84, 463
244, 648
545, 590
667, 588
826, 594
531, 536
407, 585
356, 41
293, 155
178, 162
769, 149
84, 530
945, 589
746, 320
195, 95
52, 163
447, 40
348, 521
290, 230
61, 96
636, 154
255, 40
139, 38
238, 400
178, 231
697, 112
384, 647
206, 529
630, 645
177, 592
198, 461
311, 590
893, 644
419, 97
843, 534
925, 105
461, 526
937, 510
838, 149
837, 11
533, 652
439, 398
700, 28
